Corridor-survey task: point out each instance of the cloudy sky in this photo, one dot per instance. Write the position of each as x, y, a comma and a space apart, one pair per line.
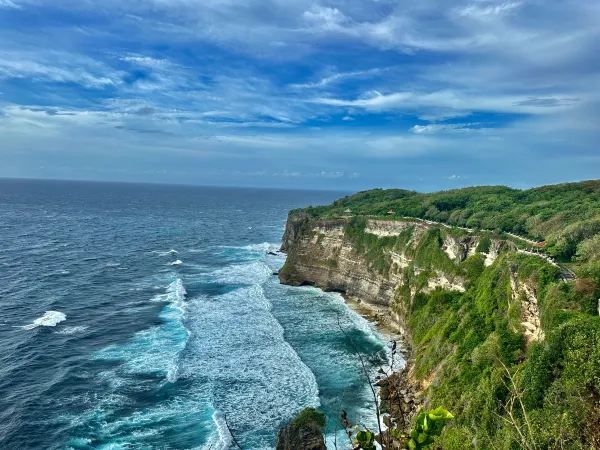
427, 94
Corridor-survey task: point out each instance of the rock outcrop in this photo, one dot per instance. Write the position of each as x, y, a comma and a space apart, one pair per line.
304, 432
525, 295
305, 437
319, 253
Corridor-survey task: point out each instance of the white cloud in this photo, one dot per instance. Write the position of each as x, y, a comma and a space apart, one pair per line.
44, 66
452, 103
326, 18
338, 77
256, 78
449, 128
487, 8
9, 4
146, 61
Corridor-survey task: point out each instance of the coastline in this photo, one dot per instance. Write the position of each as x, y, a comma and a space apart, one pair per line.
399, 393
378, 315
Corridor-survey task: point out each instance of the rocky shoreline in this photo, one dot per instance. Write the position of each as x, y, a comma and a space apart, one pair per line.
400, 395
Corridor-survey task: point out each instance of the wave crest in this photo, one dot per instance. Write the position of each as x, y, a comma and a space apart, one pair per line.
49, 319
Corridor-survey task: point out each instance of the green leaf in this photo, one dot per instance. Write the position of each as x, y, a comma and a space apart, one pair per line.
440, 413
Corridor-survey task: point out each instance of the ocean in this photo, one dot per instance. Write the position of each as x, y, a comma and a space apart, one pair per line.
138, 316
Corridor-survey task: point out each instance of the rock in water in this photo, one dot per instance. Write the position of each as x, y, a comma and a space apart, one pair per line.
304, 437
304, 432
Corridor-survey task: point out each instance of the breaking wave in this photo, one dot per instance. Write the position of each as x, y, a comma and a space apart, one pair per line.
49, 319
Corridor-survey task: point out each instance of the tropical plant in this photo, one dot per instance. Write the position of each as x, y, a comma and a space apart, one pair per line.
428, 426
365, 440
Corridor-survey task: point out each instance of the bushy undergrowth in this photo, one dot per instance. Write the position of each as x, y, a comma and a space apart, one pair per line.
563, 214
309, 416
471, 352
471, 345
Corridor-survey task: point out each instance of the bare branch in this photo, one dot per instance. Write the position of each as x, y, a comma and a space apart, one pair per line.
231, 433
365, 372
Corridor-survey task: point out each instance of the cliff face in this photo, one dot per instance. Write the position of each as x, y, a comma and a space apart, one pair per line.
322, 253
488, 320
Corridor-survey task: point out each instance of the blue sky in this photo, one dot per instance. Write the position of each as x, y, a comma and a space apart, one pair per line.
432, 94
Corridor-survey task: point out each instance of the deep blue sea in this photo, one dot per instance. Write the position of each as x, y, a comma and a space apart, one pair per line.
145, 316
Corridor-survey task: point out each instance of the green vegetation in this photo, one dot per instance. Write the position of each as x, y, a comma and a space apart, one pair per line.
365, 440
564, 215
309, 416
473, 345
428, 426
508, 393
375, 249
509, 389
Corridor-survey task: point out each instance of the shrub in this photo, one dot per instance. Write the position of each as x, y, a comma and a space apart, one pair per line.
309, 416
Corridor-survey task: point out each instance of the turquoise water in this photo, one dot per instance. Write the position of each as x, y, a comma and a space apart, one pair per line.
140, 316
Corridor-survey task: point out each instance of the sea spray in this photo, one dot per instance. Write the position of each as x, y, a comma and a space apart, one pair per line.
49, 319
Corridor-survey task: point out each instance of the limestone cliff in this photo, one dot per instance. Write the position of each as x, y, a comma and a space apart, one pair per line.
323, 253
389, 263
497, 332
319, 254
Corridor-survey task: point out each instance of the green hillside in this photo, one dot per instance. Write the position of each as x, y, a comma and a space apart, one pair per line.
469, 348
564, 215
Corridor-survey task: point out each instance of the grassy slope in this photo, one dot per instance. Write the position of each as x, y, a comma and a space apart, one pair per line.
563, 214
472, 342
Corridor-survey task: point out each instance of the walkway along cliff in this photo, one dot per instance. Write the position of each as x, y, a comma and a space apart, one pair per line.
495, 335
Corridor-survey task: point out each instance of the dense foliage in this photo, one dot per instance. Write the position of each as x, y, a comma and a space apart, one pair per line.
508, 389
428, 426
471, 352
564, 215
309, 416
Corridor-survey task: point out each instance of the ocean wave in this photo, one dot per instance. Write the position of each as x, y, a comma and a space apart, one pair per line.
153, 351
177, 262
49, 319
144, 427
165, 253
72, 330
156, 350
262, 247
254, 272
368, 328
221, 438
58, 273
257, 378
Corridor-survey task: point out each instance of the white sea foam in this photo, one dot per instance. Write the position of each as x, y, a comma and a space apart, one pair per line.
176, 292
261, 247
165, 253
221, 439
156, 349
257, 377
72, 330
58, 273
255, 272
177, 262
49, 319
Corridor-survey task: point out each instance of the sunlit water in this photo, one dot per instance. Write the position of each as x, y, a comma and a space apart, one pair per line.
140, 316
